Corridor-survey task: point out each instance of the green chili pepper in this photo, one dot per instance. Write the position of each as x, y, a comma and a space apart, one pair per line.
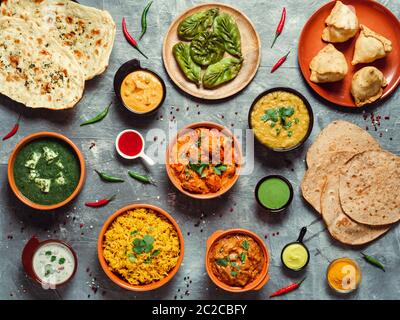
99, 117
108, 178
144, 19
141, 178
373, 261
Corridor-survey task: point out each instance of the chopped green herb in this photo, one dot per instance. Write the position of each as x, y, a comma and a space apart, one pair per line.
155, 253
290, 134
48, 253
245, 245
134, 232
222, 262
218, 169
243, 257
144, 245
53, 258
296, 120
131, 257
278, 131
234, 273
198, 167
61, 261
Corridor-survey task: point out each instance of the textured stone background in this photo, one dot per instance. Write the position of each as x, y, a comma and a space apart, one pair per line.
80, 225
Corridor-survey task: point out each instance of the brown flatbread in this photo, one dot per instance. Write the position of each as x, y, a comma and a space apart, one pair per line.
314, 179
340, 226
340, 136
369, 186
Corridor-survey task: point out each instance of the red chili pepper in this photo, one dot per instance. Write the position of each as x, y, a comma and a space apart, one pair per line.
287, 289
13, 130
280, 26
99, 203
279, 62
129, 38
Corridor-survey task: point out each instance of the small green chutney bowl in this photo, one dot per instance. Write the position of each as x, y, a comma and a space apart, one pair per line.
274, 193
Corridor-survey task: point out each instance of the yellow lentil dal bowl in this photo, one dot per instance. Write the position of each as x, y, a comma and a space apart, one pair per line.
140, 247
281, 119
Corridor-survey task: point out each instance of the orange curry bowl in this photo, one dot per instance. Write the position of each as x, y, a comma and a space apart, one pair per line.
21, 145
196, 181
118, 279
262, 277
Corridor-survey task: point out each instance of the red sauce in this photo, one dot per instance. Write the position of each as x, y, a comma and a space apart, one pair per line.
130, 144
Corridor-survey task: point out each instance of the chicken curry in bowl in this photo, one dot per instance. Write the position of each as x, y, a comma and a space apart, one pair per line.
203, 161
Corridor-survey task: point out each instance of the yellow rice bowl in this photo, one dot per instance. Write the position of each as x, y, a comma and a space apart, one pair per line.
146, 267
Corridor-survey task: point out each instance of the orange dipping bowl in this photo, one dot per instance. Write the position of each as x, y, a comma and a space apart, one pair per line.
170, 158
259, 282
118, 279
23, 143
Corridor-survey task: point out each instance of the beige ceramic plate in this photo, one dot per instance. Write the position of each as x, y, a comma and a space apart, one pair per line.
251, 49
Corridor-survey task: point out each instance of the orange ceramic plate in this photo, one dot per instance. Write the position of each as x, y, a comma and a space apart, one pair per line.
373, 15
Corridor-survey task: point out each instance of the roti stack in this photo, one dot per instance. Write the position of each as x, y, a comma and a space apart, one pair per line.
83, 34
351, 182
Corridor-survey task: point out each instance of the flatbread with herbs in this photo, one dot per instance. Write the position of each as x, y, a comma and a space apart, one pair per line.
34, 69
88, 33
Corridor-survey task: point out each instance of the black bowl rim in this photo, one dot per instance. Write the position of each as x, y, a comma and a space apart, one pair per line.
290, 189
308, 256
308, 106
127, 68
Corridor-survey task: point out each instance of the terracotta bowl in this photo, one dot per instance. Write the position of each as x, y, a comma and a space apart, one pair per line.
119, 280
259, 282
11, 162
175, 181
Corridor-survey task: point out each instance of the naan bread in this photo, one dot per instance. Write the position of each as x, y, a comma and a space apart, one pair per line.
367, 85
87, 32
315, 177
341, 24
370, 46
340, 136
369, 186
329, 65
34, 69
340, 226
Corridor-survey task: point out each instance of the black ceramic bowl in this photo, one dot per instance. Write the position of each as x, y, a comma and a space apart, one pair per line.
310, 112
287, 203
300, 242
127, 68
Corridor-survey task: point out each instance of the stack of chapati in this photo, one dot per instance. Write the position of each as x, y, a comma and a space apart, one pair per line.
48, 48
353, 183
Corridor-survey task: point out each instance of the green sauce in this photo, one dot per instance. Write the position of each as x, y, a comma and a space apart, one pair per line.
47, 171
274, 193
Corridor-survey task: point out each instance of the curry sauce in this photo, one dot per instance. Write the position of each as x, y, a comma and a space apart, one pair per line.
236, 260
204, 160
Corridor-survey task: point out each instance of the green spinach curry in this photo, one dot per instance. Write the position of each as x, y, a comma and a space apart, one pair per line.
46, 171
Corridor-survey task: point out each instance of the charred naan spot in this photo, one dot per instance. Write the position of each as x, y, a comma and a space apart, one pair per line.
44, 52
96, 52
98, 42
65, 72
69, 19
38, 1
46, 88
95, 32
39, 41
343, 222
49, 98
17, 41
78, 53
14, 60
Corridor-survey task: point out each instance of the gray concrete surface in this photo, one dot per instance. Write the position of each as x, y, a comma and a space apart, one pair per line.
80, 225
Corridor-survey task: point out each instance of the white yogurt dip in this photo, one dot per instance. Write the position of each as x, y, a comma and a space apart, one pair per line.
53, 263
